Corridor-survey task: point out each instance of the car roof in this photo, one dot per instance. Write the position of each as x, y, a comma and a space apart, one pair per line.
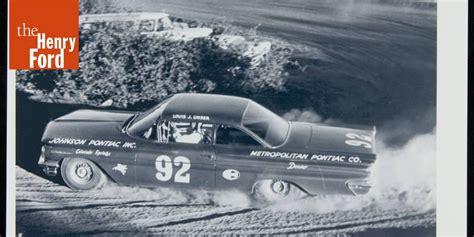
206, 108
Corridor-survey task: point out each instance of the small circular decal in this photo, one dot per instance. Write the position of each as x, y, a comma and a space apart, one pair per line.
231, 174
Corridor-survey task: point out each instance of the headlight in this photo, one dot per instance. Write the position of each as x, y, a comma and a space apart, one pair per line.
41, 159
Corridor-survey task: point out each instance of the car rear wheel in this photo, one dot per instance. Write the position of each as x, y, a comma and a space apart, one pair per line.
81, 174
271, 190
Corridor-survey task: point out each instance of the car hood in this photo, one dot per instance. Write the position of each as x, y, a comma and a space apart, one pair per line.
87, 124
321, 137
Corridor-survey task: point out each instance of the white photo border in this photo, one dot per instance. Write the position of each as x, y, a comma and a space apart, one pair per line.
451, 131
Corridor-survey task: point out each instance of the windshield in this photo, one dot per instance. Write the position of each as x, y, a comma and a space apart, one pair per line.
265, 124
146, 119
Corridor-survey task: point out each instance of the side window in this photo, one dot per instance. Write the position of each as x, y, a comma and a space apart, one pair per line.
147, 25
181, 132
226, 135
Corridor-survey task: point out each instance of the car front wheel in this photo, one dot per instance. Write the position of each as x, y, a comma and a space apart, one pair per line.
81, 174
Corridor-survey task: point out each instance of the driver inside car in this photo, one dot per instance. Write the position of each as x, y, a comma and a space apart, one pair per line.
183, 135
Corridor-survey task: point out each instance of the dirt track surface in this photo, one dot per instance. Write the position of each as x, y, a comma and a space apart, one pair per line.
47, 208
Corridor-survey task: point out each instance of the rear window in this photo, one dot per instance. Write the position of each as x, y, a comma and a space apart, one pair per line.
264, 123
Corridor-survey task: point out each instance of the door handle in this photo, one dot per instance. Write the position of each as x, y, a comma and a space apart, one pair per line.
209, 156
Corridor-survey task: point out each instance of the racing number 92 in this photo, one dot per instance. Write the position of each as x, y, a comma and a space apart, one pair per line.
164, 168
359, 140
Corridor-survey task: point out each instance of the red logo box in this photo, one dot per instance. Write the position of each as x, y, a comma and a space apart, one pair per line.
44, 34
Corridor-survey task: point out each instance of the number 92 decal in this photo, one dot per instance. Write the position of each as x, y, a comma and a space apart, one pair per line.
359, 140
164, 168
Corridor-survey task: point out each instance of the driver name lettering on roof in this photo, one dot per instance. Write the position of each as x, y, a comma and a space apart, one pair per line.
191, 117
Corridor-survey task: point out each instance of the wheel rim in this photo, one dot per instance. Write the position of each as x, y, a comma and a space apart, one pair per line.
82, 172
279, 187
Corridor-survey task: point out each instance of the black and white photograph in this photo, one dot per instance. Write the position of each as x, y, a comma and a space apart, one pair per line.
252, 117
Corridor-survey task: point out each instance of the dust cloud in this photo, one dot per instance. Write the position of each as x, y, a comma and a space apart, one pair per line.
402, 177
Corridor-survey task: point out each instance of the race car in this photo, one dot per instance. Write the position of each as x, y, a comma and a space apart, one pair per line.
207, 141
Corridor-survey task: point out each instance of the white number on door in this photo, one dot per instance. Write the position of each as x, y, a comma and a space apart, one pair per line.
181, 175
164, 168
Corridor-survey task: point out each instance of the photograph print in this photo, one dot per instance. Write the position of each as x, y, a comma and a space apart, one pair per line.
253, 117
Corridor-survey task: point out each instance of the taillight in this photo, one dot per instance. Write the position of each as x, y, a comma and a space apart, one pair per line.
358, 187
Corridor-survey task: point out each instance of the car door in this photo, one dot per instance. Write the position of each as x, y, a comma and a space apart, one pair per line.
235, 169
169, 163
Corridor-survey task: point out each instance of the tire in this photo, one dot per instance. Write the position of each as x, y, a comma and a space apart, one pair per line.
81, 174
271, 190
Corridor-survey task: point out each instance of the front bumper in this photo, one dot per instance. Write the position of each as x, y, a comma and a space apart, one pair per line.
50, 168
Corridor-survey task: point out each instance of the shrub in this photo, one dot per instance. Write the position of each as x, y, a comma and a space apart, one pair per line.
134, 69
